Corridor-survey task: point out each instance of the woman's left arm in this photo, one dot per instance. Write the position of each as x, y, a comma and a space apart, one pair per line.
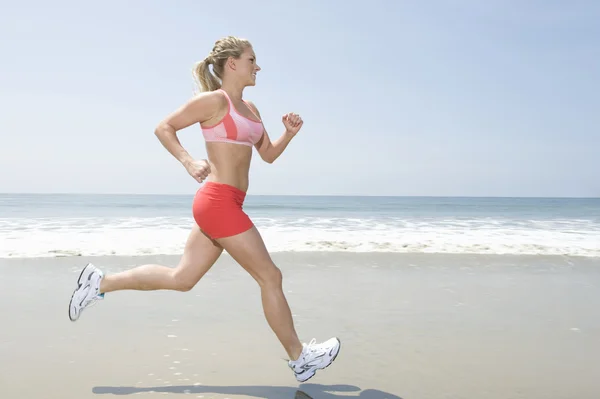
269, 150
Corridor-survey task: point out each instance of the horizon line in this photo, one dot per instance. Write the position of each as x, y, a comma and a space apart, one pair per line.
309, 195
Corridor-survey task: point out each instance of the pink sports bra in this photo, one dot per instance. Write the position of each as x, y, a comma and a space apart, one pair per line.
234, 127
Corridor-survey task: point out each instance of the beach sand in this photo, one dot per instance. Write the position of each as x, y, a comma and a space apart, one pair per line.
412, 327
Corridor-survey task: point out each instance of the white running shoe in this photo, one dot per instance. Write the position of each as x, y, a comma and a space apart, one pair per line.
314, 357
87, 291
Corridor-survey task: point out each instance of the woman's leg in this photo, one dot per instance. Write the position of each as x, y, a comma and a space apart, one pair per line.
199, 254
248, 249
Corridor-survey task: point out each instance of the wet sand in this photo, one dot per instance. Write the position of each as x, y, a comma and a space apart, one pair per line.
411, 326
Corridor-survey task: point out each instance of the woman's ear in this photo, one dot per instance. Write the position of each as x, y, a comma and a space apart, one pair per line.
231, 63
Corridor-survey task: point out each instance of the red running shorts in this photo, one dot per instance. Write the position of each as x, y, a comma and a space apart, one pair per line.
217, 209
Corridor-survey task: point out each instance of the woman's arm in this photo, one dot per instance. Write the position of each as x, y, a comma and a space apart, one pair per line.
197, 110
269, 150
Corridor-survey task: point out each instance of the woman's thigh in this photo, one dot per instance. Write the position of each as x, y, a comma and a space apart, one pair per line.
249, 250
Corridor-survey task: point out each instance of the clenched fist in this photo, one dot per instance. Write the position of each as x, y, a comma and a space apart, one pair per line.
292, 122
199, 170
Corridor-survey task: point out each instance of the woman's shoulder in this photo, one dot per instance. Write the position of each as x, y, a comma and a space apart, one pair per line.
252, 106
215, 99
214, 95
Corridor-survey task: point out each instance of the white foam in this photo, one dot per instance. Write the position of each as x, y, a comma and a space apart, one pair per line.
48, 237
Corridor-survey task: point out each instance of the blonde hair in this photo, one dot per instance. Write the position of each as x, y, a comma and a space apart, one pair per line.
224, 48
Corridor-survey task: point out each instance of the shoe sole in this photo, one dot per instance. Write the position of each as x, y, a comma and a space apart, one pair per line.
79, 283
329, 364
70, 303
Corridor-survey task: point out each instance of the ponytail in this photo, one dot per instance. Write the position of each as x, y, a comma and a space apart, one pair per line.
224, 48
204, 78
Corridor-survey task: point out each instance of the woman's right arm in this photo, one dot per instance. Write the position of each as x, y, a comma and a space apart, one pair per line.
197, 110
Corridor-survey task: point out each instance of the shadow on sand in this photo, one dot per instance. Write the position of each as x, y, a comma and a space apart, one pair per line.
305, 391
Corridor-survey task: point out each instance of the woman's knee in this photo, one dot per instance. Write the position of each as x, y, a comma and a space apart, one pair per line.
182, 283
271, 277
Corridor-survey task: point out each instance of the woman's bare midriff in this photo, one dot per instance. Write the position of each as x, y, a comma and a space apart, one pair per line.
229, 164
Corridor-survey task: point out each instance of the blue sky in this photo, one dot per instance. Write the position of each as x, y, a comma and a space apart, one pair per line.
459, 98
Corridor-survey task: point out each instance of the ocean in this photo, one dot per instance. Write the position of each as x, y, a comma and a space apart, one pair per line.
52, 225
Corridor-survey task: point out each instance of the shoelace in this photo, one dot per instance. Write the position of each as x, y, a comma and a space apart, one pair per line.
313, 348
93, 300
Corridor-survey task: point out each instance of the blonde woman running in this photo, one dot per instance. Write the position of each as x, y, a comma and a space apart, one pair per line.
231, 127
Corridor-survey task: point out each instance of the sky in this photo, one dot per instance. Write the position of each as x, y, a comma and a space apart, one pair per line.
408, 98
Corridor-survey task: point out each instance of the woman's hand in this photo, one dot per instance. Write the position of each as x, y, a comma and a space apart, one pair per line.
199, 170
292, 123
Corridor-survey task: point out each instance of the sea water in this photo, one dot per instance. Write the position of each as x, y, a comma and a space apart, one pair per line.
42, 225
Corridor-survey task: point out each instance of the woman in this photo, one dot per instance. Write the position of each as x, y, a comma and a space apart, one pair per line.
231, 127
